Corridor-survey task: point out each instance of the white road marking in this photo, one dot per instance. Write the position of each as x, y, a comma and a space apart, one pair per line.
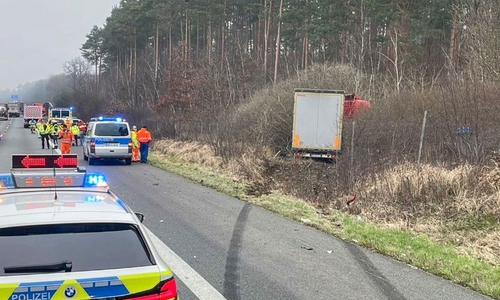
58, 151
197, 284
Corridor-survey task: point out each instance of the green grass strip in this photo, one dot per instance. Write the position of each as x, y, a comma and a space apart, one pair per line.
416, 250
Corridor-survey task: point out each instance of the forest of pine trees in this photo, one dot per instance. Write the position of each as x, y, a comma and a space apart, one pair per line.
222, 71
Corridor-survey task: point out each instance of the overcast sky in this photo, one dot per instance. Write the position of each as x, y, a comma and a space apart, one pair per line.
38, 36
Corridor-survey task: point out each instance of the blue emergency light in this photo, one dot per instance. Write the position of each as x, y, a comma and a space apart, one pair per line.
95, 180
94, 199
101, 118
6, 181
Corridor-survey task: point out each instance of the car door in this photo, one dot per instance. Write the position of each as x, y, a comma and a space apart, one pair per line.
88, 135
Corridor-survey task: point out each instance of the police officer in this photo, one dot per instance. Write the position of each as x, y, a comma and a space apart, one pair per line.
76, 133
54, 135
44, 134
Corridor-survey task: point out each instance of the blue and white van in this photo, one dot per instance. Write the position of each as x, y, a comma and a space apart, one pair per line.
107, 138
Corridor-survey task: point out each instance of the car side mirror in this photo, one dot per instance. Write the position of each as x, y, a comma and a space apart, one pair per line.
140, 216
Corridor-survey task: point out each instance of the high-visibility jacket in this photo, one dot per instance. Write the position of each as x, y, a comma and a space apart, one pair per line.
144, 136
55, 130
66, 137
135, 141
75, 129
49, 128
44, 129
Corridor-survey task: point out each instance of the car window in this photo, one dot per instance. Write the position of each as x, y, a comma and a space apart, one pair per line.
87, 246
111, 129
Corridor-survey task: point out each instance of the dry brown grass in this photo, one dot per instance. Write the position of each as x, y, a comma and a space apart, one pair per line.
247, 166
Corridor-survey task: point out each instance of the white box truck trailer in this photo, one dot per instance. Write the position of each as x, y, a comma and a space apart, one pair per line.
317, 123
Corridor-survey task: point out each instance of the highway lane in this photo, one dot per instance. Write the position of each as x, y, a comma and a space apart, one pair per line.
246, 252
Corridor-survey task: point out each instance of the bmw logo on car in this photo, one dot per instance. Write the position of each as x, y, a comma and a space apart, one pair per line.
70, 292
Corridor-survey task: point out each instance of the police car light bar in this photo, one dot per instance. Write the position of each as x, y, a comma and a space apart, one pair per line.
6, 181
37, 161
39, 171
46, 179
95, 180
117, 119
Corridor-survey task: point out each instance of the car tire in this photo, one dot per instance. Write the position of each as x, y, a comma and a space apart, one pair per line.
91, 161
128, 161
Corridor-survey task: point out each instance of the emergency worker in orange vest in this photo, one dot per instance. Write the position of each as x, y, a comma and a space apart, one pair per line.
68, 123
66, 137
144, 137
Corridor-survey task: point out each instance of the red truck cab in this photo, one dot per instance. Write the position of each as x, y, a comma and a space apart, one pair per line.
353, 104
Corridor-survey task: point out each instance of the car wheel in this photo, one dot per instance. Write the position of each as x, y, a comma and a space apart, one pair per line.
128, 161
91, 161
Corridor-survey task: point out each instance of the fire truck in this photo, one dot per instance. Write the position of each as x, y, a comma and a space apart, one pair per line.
32, 112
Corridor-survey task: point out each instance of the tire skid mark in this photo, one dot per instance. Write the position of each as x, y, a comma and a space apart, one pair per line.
232, 273
380, 281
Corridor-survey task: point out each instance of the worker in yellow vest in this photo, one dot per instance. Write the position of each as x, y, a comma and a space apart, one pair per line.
135, 145
76, 133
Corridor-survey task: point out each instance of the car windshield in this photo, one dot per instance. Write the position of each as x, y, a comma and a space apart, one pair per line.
87, 246
111, 129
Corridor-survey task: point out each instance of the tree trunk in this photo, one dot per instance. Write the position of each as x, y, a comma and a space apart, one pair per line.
267, 25
135, 66
157, 50
278, 44
209, 42
170, 45
454, 37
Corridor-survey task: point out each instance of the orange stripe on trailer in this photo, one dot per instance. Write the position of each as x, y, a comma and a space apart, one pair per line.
296, 140
336, 142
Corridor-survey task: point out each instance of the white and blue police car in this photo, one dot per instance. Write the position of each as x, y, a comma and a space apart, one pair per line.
107, 138
65, 235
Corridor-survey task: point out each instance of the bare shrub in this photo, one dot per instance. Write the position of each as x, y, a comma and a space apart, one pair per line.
266, 118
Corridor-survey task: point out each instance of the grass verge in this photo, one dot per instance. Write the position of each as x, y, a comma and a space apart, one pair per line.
418, 250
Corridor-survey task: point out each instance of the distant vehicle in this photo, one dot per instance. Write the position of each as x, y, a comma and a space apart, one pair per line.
76, 121
65, 235
60, 113
107, 138
317, 121
32, 112
4, 114
46, 106
14, 109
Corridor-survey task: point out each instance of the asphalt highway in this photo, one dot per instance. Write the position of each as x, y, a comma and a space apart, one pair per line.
240, 251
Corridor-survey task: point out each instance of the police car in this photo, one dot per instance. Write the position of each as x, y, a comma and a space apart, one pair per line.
107, 138
65, 235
